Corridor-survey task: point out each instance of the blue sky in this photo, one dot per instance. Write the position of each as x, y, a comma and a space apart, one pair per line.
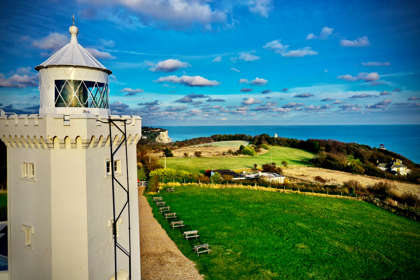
193, 62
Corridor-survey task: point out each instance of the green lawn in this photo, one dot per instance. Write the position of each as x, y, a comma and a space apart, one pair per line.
265, 235
276, 154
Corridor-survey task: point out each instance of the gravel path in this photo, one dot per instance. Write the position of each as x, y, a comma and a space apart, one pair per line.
160, 257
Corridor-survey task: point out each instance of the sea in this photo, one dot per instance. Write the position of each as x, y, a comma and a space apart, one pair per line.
401, 139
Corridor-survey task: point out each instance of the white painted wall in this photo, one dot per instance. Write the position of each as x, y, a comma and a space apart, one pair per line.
69, 201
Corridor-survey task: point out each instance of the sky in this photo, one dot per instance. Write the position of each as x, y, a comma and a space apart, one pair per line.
233, 62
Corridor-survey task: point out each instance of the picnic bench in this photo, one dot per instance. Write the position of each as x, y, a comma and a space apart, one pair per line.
191, 234
164, 209
160, 203
170, 215
202, 248
157, 198
177, 224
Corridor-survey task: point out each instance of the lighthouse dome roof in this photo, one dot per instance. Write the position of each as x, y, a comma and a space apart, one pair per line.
73, 54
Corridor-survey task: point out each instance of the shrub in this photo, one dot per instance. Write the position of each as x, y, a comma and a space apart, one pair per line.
247, 150
255, 166
265, 146
197, 153
186, 155
320, 179
271, 167
203, 179
409, 199
284, 163
216, 178
354, 187
153, 184
380, 190
167, 152
173, 175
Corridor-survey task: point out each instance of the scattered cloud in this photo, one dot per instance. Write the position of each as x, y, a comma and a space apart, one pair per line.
192, 81
257, 81
20, 79
363, 95
168, 65
304, 95
324, 34
376, 63
246, 89
107, 43
293, 105
413, 98
215, 100
261, 7
217, 59
119, 108
380, 105
100, 54
235, 69
53, 41
367, 77
177, 13
190, 98
284, 50
350, 108
317, 108
265, 91
383, 93
250, 101
327, 99
153, 103
359, 42
131, 91
248, 56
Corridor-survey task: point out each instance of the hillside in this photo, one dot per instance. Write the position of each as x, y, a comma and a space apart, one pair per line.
265, 235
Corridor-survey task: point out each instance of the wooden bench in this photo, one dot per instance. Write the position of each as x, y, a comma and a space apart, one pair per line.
177, 224
157, 198
202, 248
164, 209
170, 215
160, 203
191, 234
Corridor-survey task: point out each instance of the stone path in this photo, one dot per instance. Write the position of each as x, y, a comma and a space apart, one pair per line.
160, 257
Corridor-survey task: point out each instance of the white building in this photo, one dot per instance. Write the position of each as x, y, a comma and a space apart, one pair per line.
60, 194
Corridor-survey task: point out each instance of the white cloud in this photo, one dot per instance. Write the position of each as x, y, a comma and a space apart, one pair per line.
359, 42
235, 69
192, 81
261, 7
107, 43
257, 81
22, 78
174, 12
100, 54
367, 77
248, 56
324, 34
376, 63
217, 59
310, 36
132, 91
169, 65
283, 50
53, 41
250, 101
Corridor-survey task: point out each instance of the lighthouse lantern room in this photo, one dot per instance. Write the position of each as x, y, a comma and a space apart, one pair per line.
71, 177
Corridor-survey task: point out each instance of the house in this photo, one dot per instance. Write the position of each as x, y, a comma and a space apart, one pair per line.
399, 168
382, 166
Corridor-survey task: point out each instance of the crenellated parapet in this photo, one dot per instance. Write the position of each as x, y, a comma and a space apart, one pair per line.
65, 132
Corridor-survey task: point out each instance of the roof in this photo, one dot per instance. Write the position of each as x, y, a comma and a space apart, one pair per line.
73, 54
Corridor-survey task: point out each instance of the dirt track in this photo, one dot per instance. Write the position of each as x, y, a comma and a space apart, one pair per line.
160, 257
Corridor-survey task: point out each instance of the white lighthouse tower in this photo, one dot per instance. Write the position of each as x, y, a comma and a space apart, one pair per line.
71, 176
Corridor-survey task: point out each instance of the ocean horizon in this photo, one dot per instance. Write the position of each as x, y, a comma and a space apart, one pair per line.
401, 139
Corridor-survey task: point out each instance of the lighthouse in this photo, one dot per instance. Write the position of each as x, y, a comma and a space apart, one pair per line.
71, 176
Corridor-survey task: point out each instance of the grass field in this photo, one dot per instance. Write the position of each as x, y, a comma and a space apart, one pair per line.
264, 235
276, 154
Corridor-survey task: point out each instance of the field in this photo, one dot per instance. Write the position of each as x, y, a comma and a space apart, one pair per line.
210, 149
275, 154
264, 235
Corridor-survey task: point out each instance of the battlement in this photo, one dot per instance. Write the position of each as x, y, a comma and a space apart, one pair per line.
65, 131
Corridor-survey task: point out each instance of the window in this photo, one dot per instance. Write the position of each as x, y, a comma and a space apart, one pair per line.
28, 170
28, 231
76, 93
117, 167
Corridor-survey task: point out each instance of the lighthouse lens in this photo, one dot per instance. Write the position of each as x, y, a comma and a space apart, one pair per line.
76, 93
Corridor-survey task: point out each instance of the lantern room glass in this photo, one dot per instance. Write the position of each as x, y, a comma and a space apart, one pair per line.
77, 93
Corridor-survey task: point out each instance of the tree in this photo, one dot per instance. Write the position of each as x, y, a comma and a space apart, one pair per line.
167, 152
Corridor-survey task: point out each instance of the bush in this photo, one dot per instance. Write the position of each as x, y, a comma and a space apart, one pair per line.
265, 146
216, 178
186, 155
167, 152
284, 163
203, 179
153, 184
409, 199
173, 175
247, 150
354, 187
197, 153
320, 179
271, 167
380, 190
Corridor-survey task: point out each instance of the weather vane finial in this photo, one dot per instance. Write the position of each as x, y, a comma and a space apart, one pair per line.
73, 19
